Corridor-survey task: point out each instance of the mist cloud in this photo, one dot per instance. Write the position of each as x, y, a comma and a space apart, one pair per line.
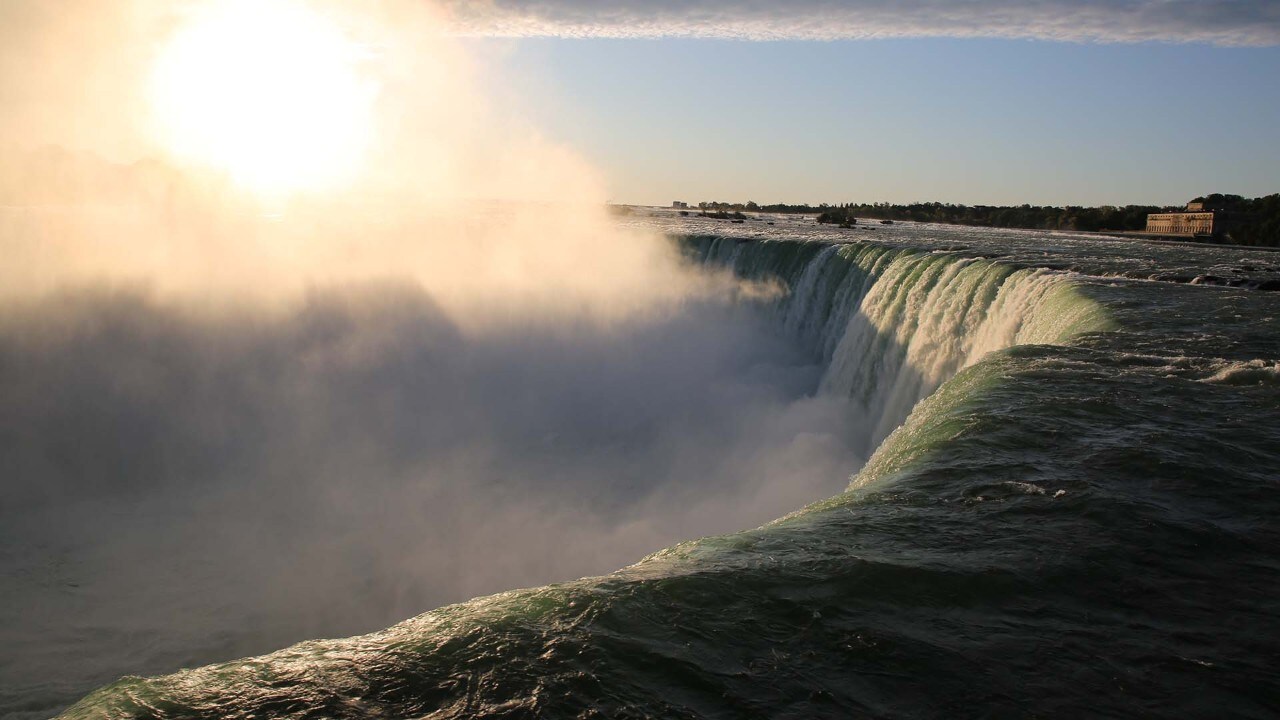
185, 485
228, 424
1219, 22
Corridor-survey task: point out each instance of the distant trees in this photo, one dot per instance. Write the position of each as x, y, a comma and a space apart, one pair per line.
1253, 221
1031, 217
725, 211
1261, 224
1249, 221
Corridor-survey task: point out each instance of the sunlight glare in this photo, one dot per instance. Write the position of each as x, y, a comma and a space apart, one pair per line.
267, 91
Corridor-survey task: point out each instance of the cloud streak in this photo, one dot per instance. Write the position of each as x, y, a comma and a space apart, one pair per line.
1217, 22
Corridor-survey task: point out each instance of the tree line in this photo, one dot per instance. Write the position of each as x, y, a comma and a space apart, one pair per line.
1249, 221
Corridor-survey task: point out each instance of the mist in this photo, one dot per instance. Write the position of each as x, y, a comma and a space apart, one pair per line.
182, 488
236, 415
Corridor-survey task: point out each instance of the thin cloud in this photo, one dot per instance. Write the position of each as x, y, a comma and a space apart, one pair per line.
1218, 22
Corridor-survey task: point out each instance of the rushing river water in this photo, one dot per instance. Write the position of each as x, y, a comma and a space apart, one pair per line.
1069, 509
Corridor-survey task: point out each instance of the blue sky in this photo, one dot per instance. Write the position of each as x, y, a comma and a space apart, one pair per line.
999, 121
974, 101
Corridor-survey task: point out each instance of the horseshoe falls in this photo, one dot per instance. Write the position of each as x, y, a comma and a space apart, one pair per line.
891, 325
1068, 509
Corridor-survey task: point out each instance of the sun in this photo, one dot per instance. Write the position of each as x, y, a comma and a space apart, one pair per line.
268, 91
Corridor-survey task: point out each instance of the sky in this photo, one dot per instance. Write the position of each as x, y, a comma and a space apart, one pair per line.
972, 101
836, 101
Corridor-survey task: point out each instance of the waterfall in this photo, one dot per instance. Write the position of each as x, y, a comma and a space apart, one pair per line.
893, 324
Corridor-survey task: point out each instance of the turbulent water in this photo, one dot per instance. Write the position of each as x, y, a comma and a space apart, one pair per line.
1069, 510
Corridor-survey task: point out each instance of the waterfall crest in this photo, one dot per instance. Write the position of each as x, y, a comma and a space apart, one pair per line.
893, 324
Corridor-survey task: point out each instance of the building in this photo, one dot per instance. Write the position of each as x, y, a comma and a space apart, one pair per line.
1186, 224
1203, 218
680, 205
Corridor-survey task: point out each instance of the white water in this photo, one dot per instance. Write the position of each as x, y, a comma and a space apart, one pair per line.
893, 325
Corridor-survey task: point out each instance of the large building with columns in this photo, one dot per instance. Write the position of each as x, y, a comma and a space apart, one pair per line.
1186, 224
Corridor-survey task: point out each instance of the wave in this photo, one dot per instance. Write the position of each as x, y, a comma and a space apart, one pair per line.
1248, 372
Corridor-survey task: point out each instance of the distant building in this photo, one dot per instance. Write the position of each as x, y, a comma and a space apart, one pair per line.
680, 205
1185, 224
1214, 218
